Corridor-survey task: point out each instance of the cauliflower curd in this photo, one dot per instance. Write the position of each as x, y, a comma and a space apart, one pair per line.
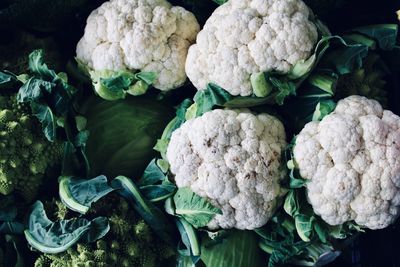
352, 162
146, 35
233, 159
243, 37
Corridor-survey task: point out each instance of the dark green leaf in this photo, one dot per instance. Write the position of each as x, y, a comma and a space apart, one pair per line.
14, 252
81, 138
11, 228
149, 212
323, 108
155, 193
321, 231
346, 59
193, 208
188, 238
220, 2
284, 89
34, 89
211, 97
7, 80
47, 118
79, 194
384, 34
152, 174
55, 237
118, 82
8, 208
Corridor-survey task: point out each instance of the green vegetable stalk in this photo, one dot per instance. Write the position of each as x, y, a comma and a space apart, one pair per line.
130, 241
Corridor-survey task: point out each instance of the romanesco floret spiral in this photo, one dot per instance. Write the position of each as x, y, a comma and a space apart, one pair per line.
129, 243
25, 154
368, 81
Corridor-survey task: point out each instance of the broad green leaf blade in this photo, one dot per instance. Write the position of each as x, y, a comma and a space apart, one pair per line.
152, 215
79, 194
237, 249
55, 237
193, 208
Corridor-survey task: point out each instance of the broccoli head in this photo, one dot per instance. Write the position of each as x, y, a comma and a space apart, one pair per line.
25, 154
130, 241
368, 81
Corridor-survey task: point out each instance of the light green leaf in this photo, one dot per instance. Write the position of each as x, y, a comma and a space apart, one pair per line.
323, 108
147, 77
193, 208
56, 237
304, 226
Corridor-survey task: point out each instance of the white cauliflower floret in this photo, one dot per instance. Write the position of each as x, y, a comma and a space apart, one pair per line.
352, 161
146, 35
243, 37
233, 159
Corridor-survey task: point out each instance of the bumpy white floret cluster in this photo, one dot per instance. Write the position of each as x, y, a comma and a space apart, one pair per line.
352, 161
146, 35
233, 159
249, 36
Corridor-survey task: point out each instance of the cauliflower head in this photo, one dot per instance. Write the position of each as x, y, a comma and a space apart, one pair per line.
351, 161
233, 159
146, 35
243, 37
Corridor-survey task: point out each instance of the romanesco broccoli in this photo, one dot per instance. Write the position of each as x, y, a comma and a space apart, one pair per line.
130, 241
25, 154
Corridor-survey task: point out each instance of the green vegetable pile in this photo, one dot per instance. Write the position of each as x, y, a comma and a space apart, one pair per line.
199, 133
